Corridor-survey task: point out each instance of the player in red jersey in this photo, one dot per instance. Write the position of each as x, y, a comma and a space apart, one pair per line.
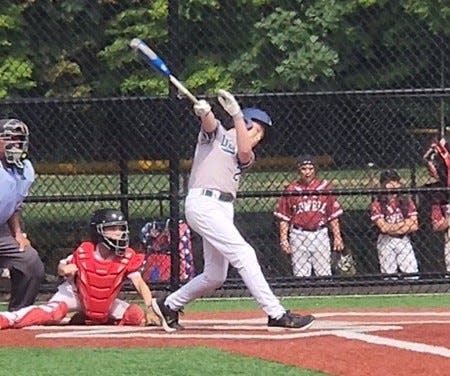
396, 218
304, 222
95, 273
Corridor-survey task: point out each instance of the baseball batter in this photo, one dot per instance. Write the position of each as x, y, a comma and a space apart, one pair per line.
220, 157
16, 177
396, 218
304, 220
95, 273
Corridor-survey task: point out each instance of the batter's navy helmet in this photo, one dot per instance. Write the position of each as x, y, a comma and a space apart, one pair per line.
257, 115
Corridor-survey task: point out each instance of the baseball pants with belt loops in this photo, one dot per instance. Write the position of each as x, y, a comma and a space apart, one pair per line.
212, 219
310, 250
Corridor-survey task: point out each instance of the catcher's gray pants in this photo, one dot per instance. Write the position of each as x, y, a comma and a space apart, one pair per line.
26, 270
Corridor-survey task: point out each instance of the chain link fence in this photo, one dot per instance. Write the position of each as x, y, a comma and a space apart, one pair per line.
362, 86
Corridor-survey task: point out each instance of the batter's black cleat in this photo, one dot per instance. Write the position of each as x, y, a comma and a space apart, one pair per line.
169, 317
290, 321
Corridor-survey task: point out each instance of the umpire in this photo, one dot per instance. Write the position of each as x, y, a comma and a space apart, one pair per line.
16, 252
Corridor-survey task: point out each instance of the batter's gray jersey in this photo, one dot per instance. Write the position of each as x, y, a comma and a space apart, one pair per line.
216, 164
14, 188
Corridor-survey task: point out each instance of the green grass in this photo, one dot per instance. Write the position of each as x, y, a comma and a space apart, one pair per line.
184, 361
57, 185
325, 302
329, 302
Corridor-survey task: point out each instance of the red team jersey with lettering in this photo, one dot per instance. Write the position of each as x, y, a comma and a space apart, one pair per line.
308, 212
99, 281
393, 212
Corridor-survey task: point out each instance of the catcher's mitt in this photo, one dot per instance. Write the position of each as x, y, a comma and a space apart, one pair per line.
151, 318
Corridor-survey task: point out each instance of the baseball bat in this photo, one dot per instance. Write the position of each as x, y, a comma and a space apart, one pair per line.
157, 63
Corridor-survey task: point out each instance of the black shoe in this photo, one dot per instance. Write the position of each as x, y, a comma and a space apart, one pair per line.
290, 321
169, 317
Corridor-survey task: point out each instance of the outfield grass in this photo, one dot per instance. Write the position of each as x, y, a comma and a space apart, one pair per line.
188, 361
96, 184
328, 302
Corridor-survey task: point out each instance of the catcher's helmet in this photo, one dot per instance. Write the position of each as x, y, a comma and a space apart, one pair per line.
437, 159
16, 136
257, 115
389, 175
104, 218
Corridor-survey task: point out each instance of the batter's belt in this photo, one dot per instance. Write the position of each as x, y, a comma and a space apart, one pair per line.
213, 193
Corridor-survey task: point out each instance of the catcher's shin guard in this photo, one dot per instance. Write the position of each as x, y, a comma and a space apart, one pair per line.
4, 322
46, 314
133, 316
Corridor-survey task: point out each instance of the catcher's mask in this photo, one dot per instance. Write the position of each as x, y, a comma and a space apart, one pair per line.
437, 160
16, 136
110, 227
255, 114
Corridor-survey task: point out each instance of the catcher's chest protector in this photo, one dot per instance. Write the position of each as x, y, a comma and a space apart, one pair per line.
99, 282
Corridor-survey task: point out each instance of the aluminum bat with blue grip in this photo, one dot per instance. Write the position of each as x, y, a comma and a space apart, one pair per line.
157, 63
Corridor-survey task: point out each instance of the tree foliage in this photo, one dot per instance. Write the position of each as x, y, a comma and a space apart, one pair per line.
79, 48
15, 67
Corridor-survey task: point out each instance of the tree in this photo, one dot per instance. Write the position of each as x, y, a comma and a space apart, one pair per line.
16, 68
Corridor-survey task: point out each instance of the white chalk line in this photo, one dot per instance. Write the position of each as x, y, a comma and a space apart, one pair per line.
223, 329
404, 345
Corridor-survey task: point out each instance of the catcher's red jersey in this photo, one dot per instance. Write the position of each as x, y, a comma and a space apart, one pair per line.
99, 281
308, 212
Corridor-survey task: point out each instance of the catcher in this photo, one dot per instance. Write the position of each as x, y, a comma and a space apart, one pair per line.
95, 273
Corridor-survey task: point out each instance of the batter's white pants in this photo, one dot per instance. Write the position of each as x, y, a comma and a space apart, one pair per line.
222, 245
396, 253
310, 250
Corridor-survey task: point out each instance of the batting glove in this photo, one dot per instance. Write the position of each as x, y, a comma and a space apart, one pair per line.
229, 104
202, 108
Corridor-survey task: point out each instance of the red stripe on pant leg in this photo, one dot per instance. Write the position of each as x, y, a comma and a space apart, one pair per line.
134, 315
47, 314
